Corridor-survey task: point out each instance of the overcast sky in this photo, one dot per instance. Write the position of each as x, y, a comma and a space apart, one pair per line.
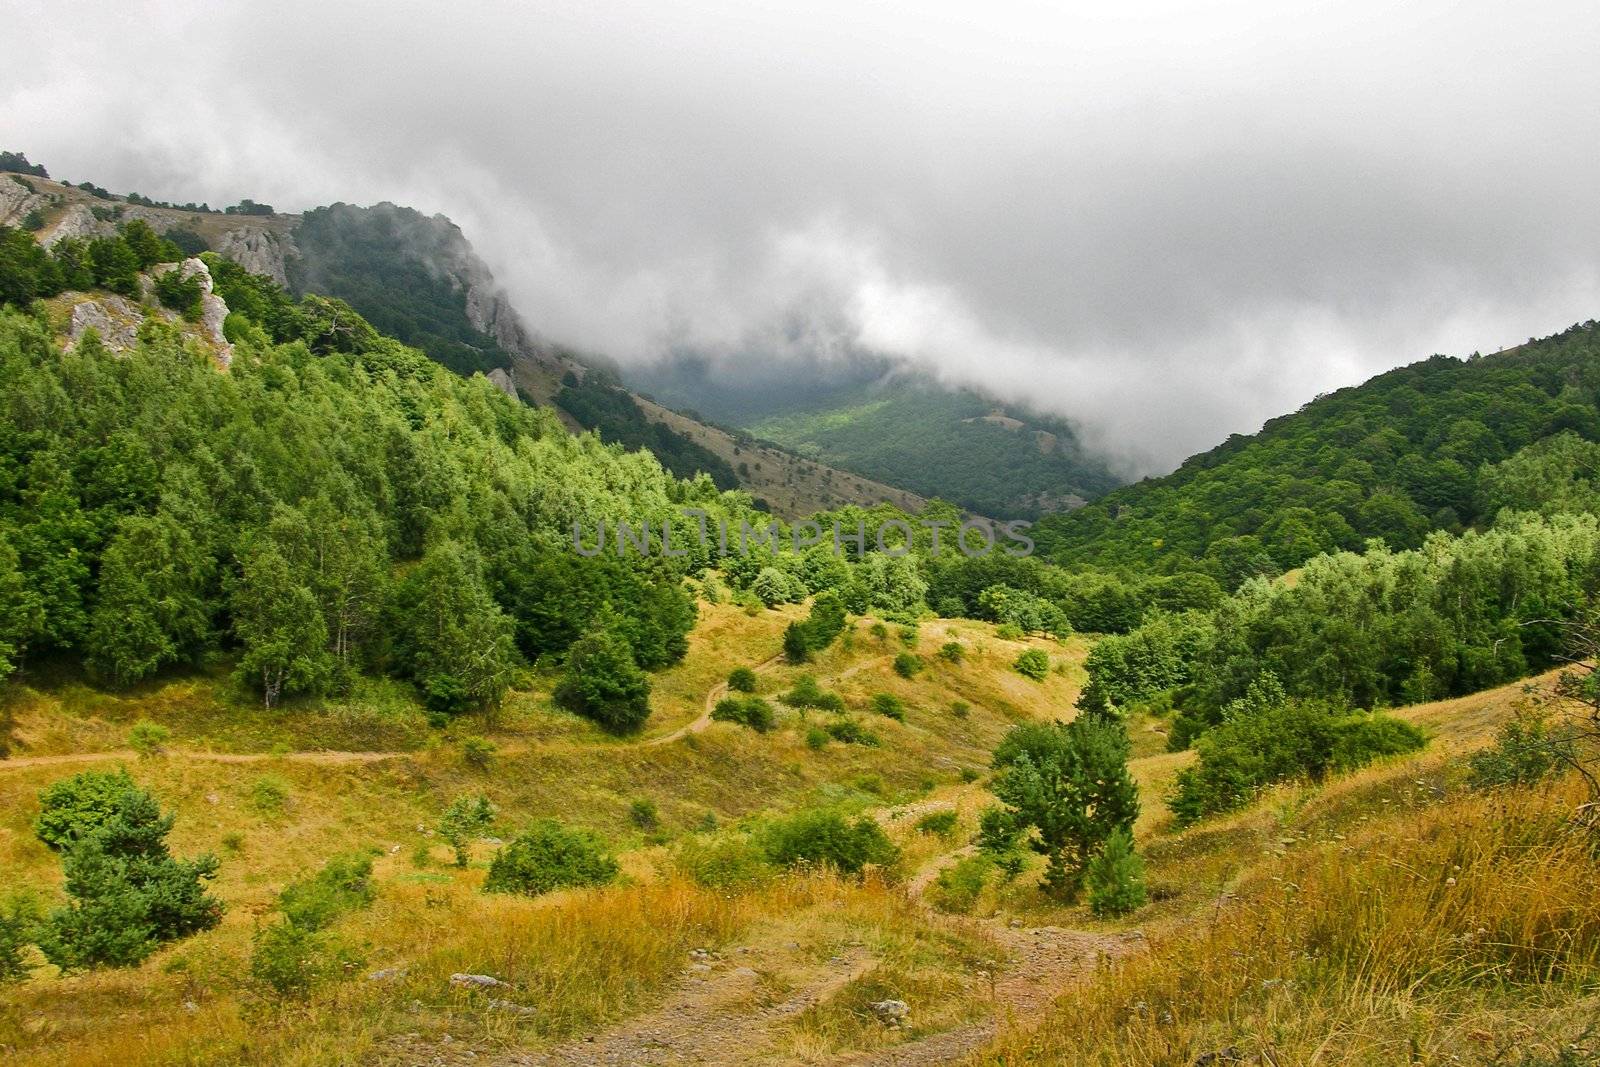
1168, 221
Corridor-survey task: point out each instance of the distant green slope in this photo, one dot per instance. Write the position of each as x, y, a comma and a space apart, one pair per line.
598, 403
1396, 457
953, 445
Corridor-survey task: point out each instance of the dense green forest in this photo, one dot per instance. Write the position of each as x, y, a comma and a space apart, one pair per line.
336, 504
599, 403
936, 442
384, 261
339, 504
1394, 458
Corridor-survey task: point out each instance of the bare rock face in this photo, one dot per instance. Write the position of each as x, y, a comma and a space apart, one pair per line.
489, 311
16, 201
259, 252
78, 221
115, 318
505, 381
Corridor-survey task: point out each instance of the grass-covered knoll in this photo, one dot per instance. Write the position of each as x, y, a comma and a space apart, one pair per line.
1396, 457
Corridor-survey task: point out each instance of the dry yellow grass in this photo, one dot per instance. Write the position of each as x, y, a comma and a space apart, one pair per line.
582, 958
1391, 915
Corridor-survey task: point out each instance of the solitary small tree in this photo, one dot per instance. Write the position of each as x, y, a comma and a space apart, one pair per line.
1116, 877
465, 820
604, 683
128, 894
1069, 786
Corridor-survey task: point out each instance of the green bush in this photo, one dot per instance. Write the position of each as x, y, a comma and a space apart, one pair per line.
19, 915
549, 856
73, 808
1265, 738
465, 820
181, 294
1069, 784
907, 664
960, 709
998, 832
807, 694
742, 680
722, 861
828, 838
958, 886
148, 738
1009, 631
817, 738
850, 732
604, 683
796, 645
478, 752
343, 884
1526, 750
127, 894
1033, 663
952, 651
746, 711
1116, 877
269, 794
291, 961
889, 706
942, 823
642, 812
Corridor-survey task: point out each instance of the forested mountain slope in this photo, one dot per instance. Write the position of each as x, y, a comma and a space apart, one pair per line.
868, 415
1395, 457
333, 504
417, 279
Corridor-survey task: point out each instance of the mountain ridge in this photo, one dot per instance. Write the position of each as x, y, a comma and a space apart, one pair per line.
517, 357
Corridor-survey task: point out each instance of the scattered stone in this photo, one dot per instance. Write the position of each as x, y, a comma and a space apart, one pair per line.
514, 1009
1133, 935
190, 1006
744, 973
1016, 924
478, 981
387, 974
699, 968
1219, 1056
892, 1013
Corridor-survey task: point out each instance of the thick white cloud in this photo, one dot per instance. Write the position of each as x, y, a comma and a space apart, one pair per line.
1168, 221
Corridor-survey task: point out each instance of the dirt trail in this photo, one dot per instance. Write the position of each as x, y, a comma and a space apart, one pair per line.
716, 693
720, 690
327, 758
716, 1017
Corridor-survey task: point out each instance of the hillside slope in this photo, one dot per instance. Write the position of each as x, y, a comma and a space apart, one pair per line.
417, 278
1395, 457
882, 421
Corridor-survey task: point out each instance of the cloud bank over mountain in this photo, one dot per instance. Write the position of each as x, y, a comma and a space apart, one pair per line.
1167, 221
